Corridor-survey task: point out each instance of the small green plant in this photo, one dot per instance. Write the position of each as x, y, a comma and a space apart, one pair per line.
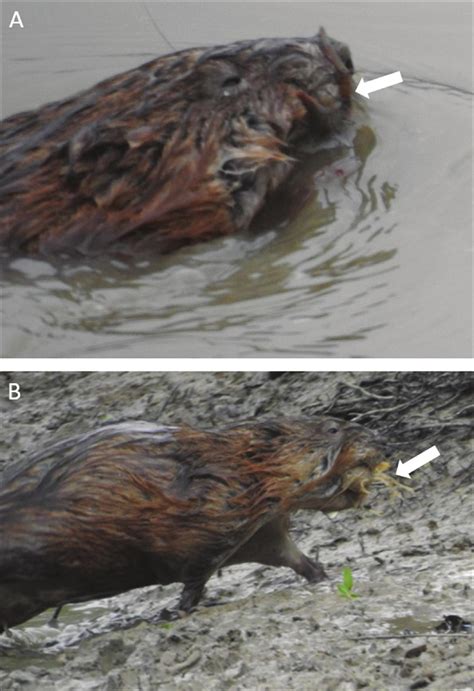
345, 588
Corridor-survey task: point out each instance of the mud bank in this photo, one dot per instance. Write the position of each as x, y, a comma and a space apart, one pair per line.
259, 627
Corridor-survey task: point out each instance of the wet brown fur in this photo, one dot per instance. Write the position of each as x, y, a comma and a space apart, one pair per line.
128, 506
181, 149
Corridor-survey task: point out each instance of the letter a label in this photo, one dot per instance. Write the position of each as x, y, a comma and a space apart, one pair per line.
16, 21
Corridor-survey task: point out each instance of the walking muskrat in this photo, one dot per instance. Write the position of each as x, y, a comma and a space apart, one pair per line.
181, 149
136, 504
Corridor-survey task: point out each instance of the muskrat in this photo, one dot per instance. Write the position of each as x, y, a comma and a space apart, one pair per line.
181, 149
136, 504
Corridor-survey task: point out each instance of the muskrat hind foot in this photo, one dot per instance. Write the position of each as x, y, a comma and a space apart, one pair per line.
55, 616
190, 596
169, 615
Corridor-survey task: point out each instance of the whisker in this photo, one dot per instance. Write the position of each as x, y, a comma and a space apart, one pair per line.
158, 30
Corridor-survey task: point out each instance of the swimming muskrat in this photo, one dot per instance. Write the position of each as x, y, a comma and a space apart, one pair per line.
136, 504
183, 148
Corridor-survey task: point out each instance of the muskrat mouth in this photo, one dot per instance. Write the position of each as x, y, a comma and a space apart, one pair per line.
359, 480
355, 483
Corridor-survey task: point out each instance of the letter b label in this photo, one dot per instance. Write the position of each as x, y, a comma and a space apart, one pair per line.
14, 392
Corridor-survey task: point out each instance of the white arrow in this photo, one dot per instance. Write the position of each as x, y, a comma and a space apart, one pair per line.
404, 469
365, 88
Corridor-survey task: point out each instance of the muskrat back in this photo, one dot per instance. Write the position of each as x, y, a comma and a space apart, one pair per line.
137, 504
181, 149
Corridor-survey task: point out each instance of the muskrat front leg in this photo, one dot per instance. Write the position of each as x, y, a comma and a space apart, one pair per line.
272, 545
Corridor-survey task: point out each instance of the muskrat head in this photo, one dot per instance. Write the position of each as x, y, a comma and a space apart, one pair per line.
341, 476
301, 87
318, 71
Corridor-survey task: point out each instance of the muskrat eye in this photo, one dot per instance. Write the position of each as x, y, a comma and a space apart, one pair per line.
231, 81
345, 55
299, 83
332, 427
349, 64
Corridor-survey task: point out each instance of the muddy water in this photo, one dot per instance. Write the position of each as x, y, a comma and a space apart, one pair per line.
376, 263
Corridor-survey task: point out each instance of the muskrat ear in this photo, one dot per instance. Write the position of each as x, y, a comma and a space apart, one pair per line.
338, 53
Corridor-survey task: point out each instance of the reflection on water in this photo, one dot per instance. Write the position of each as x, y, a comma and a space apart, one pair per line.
38, 640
